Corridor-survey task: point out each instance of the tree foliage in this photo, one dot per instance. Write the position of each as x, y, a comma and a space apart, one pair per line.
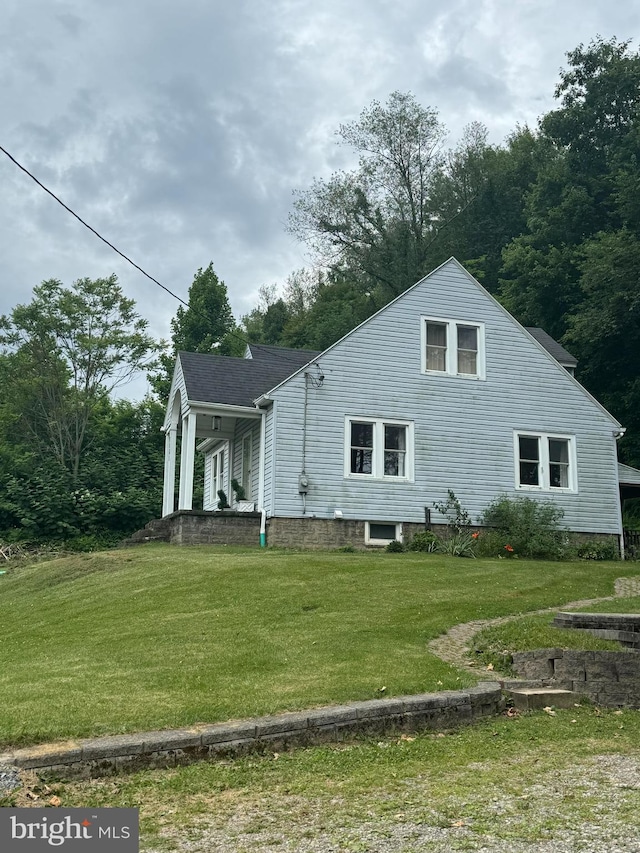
378, 218
207, 325
65, 352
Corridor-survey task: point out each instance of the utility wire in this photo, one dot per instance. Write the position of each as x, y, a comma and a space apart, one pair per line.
93, 230
233, 332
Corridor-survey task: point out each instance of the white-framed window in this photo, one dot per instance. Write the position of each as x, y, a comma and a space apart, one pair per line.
545, 462
382, 532
452, 348
377, 448
218, 470
247, 463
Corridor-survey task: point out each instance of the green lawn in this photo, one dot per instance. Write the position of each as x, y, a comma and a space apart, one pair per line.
160, 637
534, 778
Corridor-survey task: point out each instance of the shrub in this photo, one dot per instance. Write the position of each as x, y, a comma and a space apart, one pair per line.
598, 549
458, 545
223, 502
631, 514
525, 527
425, 540
395, 547
457, 517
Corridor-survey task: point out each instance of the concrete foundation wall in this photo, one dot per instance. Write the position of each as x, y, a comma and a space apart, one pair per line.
327, 533
199, 527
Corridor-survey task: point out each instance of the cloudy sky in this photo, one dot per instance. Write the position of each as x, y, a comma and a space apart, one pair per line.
180, 130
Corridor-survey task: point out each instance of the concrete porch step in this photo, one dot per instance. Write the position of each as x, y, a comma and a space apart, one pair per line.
536, 698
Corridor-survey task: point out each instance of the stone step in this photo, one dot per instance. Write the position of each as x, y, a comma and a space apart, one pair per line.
536, 698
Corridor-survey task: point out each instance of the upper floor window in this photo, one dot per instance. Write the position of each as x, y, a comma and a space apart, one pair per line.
378, 448
453, 348
545, 462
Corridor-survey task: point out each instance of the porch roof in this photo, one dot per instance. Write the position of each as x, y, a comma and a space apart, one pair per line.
628, 476
239, 381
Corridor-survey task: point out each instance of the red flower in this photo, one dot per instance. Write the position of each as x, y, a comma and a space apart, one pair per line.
508, 548
475, 535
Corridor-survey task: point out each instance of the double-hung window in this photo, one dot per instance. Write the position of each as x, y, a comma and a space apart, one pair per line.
545, 462
453, 348
378, 448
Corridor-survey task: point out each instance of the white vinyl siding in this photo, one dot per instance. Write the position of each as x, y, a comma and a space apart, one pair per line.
463, 430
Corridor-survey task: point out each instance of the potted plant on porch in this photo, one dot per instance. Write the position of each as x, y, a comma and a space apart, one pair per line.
242, 504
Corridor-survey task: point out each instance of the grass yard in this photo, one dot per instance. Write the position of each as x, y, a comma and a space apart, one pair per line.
159, 637
494, 644
519, 784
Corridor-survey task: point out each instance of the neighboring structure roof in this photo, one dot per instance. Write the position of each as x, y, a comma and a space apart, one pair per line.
628, 476
238, 381
265, 352
552, 346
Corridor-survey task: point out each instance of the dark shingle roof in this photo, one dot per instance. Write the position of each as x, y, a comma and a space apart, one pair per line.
553, 347
238, 381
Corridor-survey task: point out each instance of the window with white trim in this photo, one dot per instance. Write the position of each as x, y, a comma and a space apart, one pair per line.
382, 532
217, 474
378, 449
545, 462
453, 348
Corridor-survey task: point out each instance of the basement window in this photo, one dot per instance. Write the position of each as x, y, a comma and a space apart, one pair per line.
382, 532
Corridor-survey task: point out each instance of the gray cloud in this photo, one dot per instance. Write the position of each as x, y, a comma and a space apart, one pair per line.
180, 130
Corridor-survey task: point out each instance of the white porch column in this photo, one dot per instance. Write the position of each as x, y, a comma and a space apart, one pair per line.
187, 461
169, 488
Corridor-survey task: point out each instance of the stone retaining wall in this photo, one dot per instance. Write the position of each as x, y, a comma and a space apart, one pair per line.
621, 627
105, 756
611, 679
198, 527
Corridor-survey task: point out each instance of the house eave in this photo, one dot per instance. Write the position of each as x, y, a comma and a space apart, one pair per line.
225, 408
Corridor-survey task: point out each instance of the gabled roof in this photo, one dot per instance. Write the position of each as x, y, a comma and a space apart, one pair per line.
560, 354
238, 381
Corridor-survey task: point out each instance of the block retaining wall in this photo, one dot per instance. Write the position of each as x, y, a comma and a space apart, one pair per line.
90, 758
610, 679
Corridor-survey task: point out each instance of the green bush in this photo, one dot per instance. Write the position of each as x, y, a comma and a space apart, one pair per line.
598, 549
425, 540
456, 515
522, 527
395, 547
631, 514
457, 545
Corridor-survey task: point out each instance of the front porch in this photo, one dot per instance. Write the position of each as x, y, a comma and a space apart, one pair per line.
218, 431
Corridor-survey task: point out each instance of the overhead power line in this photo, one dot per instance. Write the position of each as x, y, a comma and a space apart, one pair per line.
233, 332
93, 230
